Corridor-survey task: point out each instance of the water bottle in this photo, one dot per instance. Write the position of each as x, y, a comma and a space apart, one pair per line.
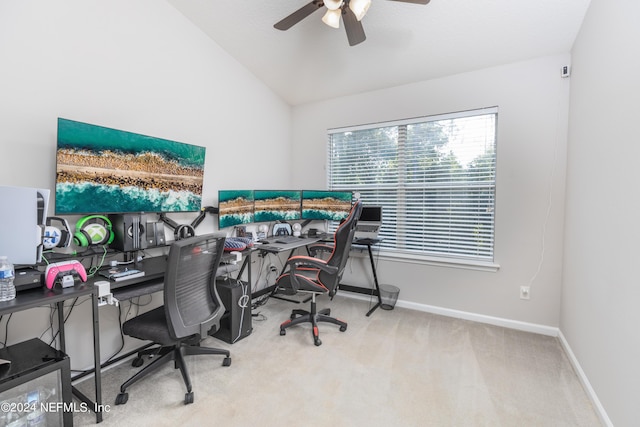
7, 288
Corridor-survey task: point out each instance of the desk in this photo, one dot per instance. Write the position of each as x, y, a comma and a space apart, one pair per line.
33, 298
281, 247
276, 248
153, 279
368, 243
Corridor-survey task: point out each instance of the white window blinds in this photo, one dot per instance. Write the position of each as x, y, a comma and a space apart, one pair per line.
434, 177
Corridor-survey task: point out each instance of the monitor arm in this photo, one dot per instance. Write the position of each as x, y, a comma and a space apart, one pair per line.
196, 222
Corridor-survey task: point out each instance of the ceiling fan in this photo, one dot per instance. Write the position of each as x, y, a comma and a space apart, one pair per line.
351, 12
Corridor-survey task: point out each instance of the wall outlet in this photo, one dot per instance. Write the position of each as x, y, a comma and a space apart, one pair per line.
524, 292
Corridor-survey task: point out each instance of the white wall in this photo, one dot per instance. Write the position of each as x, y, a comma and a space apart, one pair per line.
138, 66
532, 124
601, 289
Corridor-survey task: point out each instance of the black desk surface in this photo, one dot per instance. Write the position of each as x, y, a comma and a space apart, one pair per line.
37, 297
272, 246
152, 281
366, 241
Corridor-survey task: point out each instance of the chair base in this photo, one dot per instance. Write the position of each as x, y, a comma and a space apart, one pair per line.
165, 355
313, 317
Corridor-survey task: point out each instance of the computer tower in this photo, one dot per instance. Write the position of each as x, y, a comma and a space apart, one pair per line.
129, 232
236, 322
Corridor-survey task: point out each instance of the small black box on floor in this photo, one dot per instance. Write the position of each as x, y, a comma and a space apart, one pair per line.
236, 322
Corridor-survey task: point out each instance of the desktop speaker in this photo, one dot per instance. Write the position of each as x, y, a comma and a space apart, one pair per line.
155, 234
236, 321
129, 231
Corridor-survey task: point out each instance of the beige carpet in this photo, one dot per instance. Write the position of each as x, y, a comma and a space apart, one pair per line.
397, 367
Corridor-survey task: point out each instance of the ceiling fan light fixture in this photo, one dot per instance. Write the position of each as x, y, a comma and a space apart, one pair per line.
333, 4
359, 8
332, 18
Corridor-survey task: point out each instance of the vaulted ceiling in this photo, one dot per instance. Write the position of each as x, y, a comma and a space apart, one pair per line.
405, 42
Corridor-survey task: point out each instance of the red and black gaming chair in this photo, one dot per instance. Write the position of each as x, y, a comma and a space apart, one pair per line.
317, 276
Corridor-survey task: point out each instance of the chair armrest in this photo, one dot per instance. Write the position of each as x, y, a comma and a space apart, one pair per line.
299, 264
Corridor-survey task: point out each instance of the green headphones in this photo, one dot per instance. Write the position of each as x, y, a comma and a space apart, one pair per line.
93, 230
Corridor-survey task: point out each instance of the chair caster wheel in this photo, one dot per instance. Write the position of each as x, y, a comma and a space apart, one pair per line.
137, 362
343, 328
122, 398
283, 332
317, 341
188, 398
226, 361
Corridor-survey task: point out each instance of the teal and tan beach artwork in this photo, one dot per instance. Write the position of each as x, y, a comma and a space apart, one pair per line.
103, 170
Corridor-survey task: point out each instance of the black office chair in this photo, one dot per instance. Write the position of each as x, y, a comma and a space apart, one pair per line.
191, 309
308, 274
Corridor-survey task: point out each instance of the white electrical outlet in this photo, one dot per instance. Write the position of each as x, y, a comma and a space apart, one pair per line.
524, 292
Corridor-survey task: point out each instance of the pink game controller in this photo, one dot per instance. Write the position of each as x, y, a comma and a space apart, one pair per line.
65, 268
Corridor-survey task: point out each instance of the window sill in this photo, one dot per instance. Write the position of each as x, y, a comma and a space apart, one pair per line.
429, 260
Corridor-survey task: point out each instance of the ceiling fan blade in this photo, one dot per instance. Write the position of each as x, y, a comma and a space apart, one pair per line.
353, 27
298, 15
414, 1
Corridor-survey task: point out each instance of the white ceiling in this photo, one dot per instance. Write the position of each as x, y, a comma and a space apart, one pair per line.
405, 42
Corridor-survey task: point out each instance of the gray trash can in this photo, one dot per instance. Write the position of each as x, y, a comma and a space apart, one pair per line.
388, 296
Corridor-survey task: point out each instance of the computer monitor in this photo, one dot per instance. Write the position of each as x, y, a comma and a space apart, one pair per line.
277, 205
22, 223
326, 205
235, 207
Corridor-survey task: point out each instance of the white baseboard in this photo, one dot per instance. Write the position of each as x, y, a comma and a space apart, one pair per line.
585, 381
480, 318
512, 324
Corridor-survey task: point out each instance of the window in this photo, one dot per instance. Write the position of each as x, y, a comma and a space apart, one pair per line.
434, 176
